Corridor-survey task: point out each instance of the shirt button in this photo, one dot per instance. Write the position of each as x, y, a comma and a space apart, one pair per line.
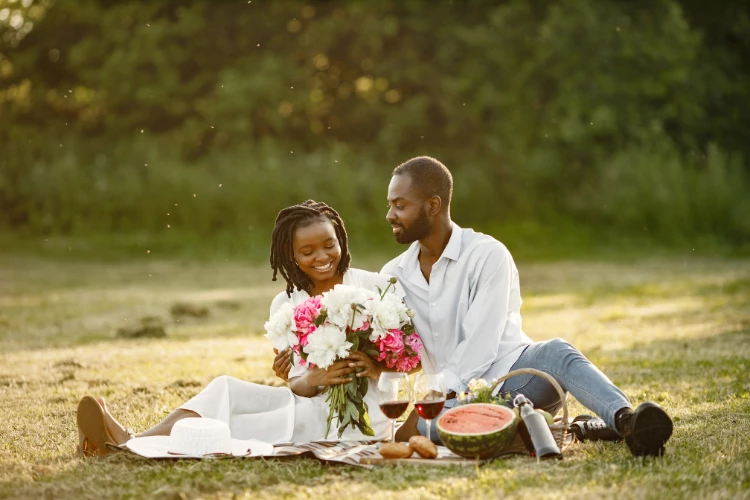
437, 334
434, 304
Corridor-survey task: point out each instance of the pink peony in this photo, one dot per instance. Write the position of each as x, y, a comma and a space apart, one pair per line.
407, 363
393, 342
415, 343
304, 318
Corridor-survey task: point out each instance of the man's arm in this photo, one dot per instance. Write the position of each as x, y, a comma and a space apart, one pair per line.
484, 324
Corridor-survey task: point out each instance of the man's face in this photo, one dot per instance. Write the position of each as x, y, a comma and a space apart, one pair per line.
407, 211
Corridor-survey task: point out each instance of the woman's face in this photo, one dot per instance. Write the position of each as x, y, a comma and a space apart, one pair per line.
317, 250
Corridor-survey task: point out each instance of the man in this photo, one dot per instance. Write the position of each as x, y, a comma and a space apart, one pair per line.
465, 290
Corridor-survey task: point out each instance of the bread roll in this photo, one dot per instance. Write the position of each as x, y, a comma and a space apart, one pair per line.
423, 446
395, 450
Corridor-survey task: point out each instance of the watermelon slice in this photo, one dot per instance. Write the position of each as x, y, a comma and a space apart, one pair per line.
477, 430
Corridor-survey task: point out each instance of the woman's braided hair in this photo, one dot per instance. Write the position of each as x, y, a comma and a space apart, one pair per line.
282, 253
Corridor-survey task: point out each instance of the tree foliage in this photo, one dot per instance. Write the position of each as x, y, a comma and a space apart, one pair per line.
535, 105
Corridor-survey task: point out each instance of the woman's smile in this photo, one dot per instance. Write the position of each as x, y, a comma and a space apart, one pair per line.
324, 268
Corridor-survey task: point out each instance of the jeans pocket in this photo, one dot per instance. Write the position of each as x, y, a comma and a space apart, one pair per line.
516, 383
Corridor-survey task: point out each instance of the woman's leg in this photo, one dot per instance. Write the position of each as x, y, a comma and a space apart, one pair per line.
208, 402
250, 410
575, 374
163, 428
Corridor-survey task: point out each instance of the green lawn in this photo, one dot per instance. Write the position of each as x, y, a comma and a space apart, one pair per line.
673, 330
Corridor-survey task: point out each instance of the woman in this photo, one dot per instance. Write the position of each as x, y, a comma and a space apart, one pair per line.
309, 248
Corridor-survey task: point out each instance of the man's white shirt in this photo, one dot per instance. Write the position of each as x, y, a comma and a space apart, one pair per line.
469, 314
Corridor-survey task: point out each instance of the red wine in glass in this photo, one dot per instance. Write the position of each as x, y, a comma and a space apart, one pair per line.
394, 409
429, 409
394, 395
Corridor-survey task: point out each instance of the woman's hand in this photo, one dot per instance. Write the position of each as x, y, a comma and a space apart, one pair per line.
338, 373
370, 368
282, 363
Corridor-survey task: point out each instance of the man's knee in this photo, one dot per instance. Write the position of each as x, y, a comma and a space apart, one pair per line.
558, 344
560, 352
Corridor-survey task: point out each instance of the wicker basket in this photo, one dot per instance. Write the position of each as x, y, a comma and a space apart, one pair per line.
559, 428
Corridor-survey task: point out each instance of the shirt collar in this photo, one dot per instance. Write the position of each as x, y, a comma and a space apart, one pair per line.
452, 249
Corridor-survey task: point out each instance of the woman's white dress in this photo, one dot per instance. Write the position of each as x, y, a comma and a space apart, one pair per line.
276, 414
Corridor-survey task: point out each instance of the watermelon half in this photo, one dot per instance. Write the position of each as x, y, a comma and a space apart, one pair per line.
477, 430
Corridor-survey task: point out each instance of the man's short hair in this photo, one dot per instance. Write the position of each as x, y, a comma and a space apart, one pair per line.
430, 177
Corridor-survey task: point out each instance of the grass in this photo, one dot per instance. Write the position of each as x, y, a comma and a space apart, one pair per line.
673, 330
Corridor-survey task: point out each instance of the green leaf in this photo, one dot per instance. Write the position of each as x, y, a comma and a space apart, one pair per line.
351, 411
351, 388
345, 419
364, 426
321, 317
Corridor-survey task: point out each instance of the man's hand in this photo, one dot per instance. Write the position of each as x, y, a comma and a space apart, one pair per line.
370, 368
282, 363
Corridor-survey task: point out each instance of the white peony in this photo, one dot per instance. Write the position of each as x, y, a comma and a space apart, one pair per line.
387, 313
325, 344
338, 304
280, 328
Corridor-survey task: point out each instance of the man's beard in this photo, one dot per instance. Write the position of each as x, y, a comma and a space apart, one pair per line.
418, 230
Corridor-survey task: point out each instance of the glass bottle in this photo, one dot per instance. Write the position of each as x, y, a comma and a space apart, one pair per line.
544, 443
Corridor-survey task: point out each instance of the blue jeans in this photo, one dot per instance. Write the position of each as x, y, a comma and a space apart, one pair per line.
572, 370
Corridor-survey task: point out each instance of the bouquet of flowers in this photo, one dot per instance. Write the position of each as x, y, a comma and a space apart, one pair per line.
328, 327
479, 391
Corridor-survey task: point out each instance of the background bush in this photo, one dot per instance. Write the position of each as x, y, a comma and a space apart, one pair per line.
604, 117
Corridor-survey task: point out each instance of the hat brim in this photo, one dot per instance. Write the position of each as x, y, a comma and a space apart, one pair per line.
158, 447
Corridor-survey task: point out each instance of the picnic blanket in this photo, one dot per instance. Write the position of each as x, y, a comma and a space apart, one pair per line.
356, 453
346, 452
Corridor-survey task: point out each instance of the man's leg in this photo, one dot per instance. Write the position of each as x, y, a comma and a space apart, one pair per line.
575, 374
645, 429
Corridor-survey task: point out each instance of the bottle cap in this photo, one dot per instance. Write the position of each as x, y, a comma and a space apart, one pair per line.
521, 400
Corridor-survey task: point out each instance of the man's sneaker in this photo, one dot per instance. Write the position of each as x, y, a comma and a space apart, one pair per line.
590, 428
647, 430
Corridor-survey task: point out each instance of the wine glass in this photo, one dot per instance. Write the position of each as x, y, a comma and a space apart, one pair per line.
429, 396
394, 395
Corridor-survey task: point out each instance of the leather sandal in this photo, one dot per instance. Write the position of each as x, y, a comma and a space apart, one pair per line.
93, 435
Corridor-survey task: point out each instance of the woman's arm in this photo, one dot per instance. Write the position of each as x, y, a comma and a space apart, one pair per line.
282, 363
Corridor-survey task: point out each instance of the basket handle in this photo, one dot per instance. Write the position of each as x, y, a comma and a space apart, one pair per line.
548, 378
